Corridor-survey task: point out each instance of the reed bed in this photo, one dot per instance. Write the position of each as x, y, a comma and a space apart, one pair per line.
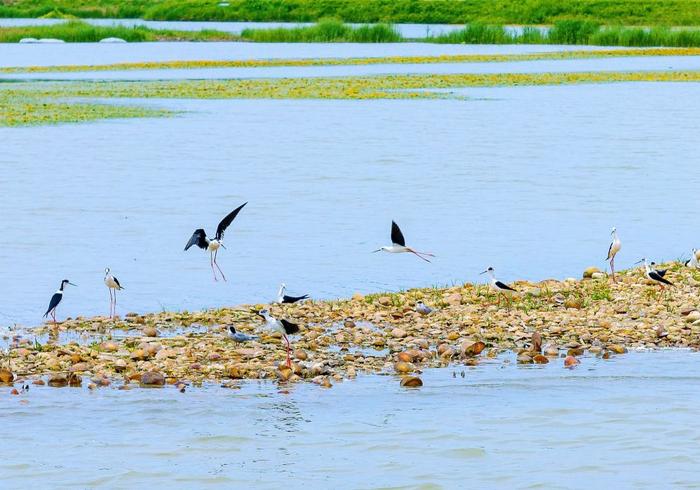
325, 31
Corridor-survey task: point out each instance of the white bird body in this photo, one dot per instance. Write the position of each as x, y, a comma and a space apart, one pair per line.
654, 275
423, 309
112, 283
398, 244
694, 262
697, 254
213, 245
615, 246
240, 336
498, 286
282, 326
286, 299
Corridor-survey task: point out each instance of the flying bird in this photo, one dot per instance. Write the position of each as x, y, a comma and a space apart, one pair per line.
283, 326
199, 238
240, 336
56, 299
501, 288
112, 283
423, 309
283, 298
654, 275
398, 244
612, 251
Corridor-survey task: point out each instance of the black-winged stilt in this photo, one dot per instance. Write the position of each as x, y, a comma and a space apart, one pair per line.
661, 272
283, 326
56, 299
654, 275
239, 336
112, 283
283, 298
612, 251
694, 260
423, 309
501, 288
398, 244
199, 238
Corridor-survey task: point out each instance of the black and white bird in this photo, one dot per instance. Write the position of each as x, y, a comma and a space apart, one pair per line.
423, 309
694, 260
398, 244
56, 299
112, 283
661, 272
240, 336
199, 238
615, 246
283, 298
283, 326
501, 288
654, 275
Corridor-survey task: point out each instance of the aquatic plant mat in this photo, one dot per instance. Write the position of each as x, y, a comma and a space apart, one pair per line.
26, 103
385, 60
379, 333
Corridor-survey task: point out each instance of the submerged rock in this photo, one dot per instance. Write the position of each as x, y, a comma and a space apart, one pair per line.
6, 376
411, 382
152, 379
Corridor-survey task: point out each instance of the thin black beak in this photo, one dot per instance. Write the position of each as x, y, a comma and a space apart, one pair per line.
483, 272
73, 284
639, 261
375, 251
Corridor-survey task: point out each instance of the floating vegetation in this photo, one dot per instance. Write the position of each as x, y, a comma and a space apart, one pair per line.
269, 63
35, 102
81, 32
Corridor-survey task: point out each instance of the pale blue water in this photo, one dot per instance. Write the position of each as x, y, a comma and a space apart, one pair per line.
628, 423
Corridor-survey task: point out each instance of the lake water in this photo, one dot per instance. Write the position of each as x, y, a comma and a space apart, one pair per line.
629, 422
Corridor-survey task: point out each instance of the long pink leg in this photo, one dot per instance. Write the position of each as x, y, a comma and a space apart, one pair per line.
417, 254
211, 262
110, 301
612, 268
217, 265
289, 360
53, 315
114, 307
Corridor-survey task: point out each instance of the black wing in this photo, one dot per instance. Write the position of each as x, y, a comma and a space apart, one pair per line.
227, 221
55, 299
662, 272
609, 250
289, 327
655, 276
501, 285
119, 286
396, 235
293, 299
199, 238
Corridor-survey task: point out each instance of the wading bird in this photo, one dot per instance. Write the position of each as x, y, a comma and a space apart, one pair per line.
283, 326
501, 288
661, 272
239, 336
283, 298
654, 275
423, 309
693, 261
398, 244
112, 283
56, 299
612, 251
199, 238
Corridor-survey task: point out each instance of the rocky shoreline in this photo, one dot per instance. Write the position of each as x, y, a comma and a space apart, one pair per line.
548, 321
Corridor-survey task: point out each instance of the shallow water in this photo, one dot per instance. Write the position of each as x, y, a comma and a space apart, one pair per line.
526, 179
643, 63
628, 422
96, 53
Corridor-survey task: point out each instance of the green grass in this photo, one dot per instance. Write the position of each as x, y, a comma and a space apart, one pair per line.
577, 32
611, 12
80, 32
325, 31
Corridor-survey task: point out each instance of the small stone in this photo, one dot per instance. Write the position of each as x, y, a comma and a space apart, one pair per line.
284, 373
152, 379
473, 349
405, 357
540, 359
398, 333
598, 275
38, 382
617, 349
571, 361
6, 376
58, 380
452, 336
109, 346
575, 351
524, 359
403, 367
358, 297
454, 299
80, 367
411, 382
588, 273
14, 391
571, 302
349, 324
536, 342
300, 355
150, 331
692, 316
92, 386
384, 300
139, 355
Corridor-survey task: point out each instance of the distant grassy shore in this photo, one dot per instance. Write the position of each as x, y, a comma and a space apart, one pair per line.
611, 12
77, 32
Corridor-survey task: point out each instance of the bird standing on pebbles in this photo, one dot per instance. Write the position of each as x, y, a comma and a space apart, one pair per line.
612, 251
283, 298
694, 260
240, 336
283, 326
112, 283
423, 309
654, 275
500, 287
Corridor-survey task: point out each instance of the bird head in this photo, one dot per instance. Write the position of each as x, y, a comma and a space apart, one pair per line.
66, 281
613, 231
107, 271
489, 270
379, 250
263, 313
232, 329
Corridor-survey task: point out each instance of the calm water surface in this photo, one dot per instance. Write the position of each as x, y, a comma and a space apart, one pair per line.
628, 422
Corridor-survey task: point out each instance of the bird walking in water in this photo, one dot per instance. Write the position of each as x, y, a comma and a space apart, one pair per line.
501, 288
112, 283
199, 238
56, 299
283, 298
423, 309
240, 336
654, 275
612, 251
283, 326
398, 244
